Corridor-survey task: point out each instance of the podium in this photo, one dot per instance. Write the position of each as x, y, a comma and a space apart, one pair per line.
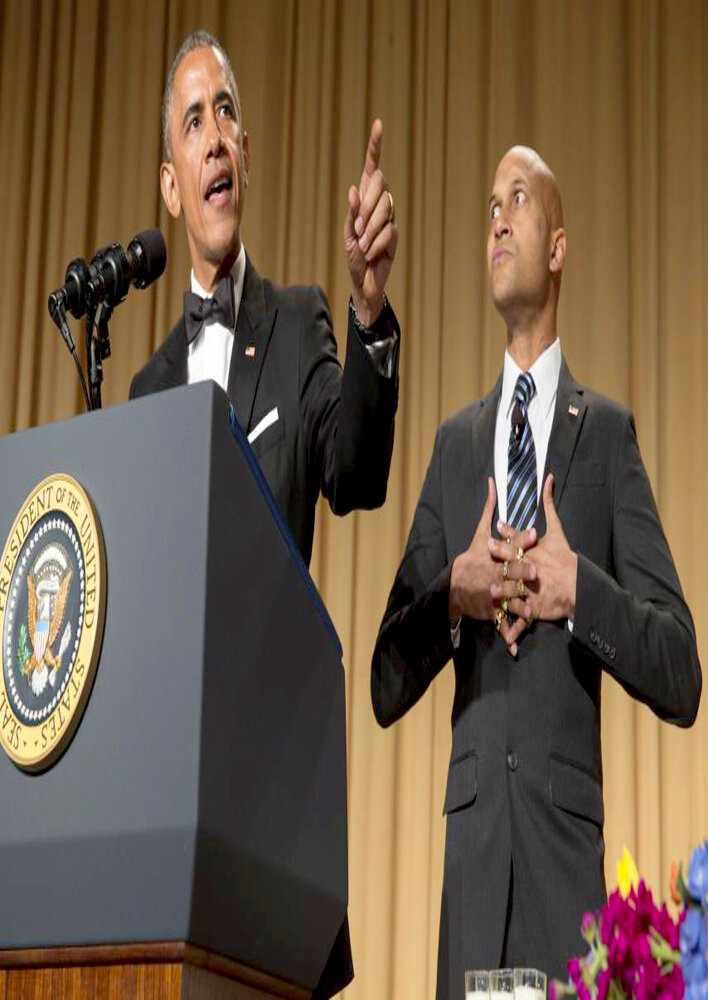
193, 835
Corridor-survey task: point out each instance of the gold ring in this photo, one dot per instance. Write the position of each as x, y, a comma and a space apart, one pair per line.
521, 587
505, 606
519, 554
498, 619
505, 570
508, 539
392, 213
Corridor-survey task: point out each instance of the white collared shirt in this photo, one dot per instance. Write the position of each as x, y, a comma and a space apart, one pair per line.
545, 372
209, 354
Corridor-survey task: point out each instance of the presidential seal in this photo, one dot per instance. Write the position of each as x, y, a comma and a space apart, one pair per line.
52, 604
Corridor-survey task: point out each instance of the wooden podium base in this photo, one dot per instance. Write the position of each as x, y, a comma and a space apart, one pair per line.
169, 970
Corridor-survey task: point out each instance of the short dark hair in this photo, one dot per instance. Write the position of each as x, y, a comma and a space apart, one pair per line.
199, 39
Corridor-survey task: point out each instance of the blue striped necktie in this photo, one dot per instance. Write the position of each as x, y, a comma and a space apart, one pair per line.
521, 484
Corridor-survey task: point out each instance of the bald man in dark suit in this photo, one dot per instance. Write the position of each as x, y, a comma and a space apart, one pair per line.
567, 575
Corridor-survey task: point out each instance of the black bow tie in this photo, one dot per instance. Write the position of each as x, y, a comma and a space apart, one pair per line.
218, 309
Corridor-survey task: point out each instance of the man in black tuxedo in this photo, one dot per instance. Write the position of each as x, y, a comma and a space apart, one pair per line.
312, 426
568, 574
272, 349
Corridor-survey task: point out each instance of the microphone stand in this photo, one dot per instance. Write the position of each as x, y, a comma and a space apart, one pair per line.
98, 348
59, 316
94, 378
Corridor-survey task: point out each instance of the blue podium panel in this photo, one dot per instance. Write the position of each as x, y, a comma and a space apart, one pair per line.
203, 796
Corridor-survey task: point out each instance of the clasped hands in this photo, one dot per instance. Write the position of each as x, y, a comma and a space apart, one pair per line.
518, 574
370, 233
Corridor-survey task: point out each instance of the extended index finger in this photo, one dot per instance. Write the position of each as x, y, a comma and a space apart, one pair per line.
373, 153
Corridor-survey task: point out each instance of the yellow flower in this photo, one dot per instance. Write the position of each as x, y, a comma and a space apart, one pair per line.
627, 874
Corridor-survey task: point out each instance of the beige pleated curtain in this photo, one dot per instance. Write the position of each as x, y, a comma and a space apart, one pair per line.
615, 96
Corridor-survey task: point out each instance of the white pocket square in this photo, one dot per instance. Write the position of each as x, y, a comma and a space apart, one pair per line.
263, 425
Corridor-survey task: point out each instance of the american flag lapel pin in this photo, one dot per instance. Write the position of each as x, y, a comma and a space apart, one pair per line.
250, 351
573, 410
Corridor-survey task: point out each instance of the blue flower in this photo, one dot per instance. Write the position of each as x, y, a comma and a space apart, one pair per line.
693, 947
698, 874
697, 991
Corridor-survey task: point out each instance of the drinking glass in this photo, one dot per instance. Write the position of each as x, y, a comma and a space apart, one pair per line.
529, 984
501, 984
477, 985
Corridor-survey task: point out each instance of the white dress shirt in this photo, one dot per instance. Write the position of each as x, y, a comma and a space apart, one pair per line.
545, 372
209, 354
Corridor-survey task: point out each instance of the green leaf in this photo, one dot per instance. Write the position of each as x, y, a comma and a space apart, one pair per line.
23, 650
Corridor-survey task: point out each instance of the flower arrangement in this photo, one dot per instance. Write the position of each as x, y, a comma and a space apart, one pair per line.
693, 897
633, 948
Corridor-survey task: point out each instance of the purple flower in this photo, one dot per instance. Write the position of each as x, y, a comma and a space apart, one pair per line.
588, 925
675, 984
575, 971
603, 984
667, 928
631, 941
698, 874
648, 981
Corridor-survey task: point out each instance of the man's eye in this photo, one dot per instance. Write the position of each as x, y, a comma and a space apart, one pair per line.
494, 213
519, 198
193, 123
225, 109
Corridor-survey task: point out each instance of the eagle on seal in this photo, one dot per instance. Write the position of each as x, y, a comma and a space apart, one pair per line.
44, 629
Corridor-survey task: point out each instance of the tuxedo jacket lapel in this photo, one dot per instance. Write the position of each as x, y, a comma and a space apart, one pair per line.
567, 421
173, 360
254, 328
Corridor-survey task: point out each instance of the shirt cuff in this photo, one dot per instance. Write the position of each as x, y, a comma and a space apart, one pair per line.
455, 633
380, 340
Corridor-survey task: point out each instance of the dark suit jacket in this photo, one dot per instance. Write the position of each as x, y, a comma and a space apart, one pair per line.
334, 430
525, 776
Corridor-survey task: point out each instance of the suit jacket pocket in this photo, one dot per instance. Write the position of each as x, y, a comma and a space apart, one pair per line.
461, 783
266, 430
575, 790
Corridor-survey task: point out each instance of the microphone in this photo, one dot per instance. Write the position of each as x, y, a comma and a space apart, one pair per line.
116, 269
72, 294
110, 274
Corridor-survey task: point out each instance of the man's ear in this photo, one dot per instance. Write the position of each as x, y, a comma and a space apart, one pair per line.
558, 251
170, 189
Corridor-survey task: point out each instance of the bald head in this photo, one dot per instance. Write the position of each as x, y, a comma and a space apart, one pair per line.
545, 179
526, 245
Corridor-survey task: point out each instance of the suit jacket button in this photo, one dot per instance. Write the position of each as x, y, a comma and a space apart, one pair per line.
512, 760
613, 652
606, 648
